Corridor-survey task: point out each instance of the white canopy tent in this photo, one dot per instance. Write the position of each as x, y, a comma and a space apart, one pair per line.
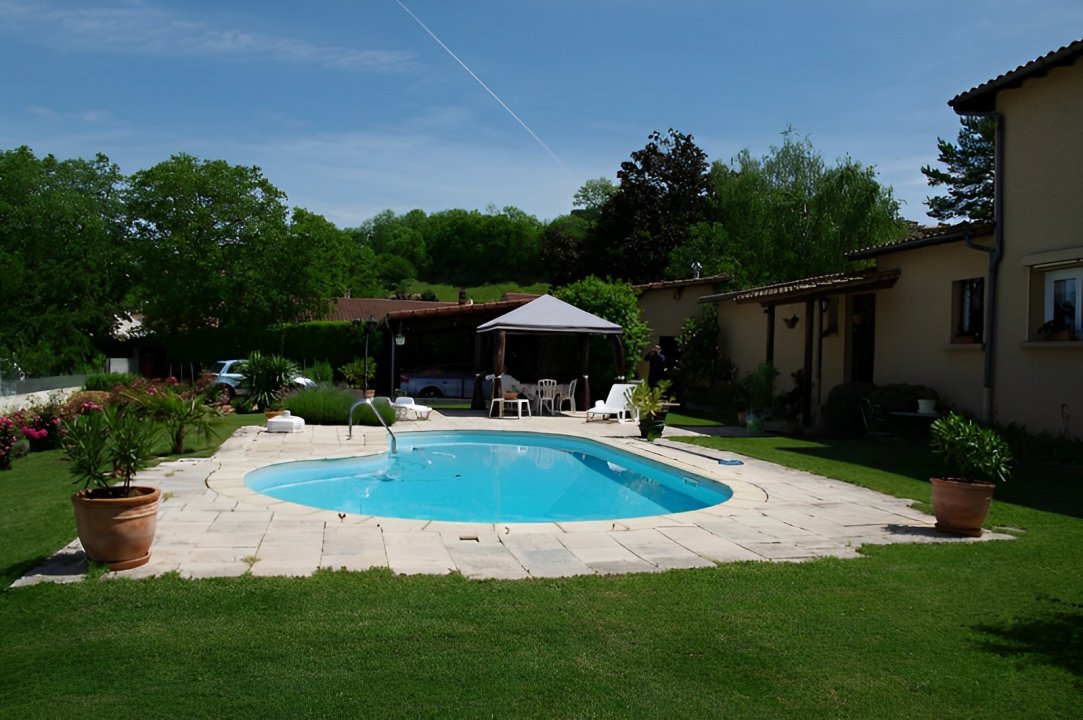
547, 315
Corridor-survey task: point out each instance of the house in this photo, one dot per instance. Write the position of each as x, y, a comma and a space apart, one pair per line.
666, 305
988, 315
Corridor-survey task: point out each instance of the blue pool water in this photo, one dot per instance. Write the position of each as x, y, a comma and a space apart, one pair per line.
491, 477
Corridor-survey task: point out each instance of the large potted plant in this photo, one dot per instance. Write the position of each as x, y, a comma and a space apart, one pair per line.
651, 403
115, 520
980, 458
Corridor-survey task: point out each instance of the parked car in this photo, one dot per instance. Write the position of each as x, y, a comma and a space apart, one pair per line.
229, 375
455, 381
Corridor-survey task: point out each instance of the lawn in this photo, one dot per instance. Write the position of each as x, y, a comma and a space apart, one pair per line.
480, 293
979, 630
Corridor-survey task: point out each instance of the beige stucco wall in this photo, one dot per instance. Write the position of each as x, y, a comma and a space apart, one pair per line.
915, 323
743, 339
666, 309
1043, 211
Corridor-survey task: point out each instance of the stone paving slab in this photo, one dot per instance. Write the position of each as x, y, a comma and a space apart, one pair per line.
211, 525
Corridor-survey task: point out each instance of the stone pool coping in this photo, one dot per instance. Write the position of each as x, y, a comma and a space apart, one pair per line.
211, 525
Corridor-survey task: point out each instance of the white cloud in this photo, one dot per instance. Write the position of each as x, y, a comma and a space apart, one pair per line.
139, 29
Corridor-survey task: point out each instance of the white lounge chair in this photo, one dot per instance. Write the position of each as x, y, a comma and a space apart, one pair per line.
407, 409
616, 404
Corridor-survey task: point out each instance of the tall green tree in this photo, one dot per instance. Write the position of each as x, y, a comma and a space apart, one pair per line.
663, 191
65, 259
790, 215
216, 249
613, 300
968, 174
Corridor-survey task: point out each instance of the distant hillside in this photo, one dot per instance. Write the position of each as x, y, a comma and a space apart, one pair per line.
481, 293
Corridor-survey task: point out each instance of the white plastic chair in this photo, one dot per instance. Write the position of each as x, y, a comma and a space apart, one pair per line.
547, 396
570, 397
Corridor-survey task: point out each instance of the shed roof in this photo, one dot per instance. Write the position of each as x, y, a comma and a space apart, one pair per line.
547, 314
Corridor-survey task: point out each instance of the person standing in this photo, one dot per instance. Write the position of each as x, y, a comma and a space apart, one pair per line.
657, 363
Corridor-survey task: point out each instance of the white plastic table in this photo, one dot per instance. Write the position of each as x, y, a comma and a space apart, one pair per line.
519, 403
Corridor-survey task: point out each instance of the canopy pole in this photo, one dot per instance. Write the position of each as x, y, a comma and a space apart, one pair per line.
618, 356
806, 391
498, 371
477, 402
584, 369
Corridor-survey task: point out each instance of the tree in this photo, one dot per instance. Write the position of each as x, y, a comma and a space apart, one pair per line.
663, 191
616, 302
969, 174
65, 259
789, 215
594, 194
214, 247
560, 247
613, 301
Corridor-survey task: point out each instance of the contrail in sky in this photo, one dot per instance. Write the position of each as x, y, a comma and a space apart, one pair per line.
487, 89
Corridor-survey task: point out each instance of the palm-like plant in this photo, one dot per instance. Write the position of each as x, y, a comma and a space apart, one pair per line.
266, 376
974, 451
114, 442
181, 415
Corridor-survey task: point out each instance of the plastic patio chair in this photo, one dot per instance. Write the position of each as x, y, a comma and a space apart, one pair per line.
547, 396
570, 397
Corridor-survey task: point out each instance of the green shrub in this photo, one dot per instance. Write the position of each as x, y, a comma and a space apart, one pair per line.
976, 452
358, 374
328, 406
320, 371
266, 377
108, 381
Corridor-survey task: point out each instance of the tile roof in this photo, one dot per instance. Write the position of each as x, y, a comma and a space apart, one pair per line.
364, 308
810, 288
453, 309
661, 285
983, 97
925, 237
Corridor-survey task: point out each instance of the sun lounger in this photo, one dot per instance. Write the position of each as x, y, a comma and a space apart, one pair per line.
615, 405
407, 409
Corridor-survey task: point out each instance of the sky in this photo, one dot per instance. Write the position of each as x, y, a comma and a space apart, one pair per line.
355, 107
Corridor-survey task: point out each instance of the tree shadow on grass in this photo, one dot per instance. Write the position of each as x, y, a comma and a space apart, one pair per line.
1032, 486
1054, 637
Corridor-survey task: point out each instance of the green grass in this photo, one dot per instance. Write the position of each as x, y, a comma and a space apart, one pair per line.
36, 517
961, 631
481, 293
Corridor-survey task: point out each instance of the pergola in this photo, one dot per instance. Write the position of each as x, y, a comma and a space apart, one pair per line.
545, 316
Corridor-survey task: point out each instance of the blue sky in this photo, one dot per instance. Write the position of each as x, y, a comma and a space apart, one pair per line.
352, 107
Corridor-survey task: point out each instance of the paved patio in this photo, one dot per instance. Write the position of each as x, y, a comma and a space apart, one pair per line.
211, 525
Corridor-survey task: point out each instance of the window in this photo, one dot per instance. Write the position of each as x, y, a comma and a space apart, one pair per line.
1062, 304
968, 314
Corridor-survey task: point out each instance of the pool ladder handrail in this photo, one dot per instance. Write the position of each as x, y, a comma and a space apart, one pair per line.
369, 402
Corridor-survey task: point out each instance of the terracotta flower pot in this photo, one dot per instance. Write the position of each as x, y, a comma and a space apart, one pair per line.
960, 507
118, 531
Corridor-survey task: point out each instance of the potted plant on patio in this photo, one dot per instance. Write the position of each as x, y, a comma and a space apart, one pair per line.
115, 522
651, 403
981, 458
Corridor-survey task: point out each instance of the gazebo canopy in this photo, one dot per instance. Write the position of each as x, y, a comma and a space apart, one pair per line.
547, 314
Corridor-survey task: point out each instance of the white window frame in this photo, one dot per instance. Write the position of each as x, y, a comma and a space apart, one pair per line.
1074, 273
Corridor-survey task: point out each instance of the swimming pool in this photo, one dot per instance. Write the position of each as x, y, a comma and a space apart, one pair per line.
477, 476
